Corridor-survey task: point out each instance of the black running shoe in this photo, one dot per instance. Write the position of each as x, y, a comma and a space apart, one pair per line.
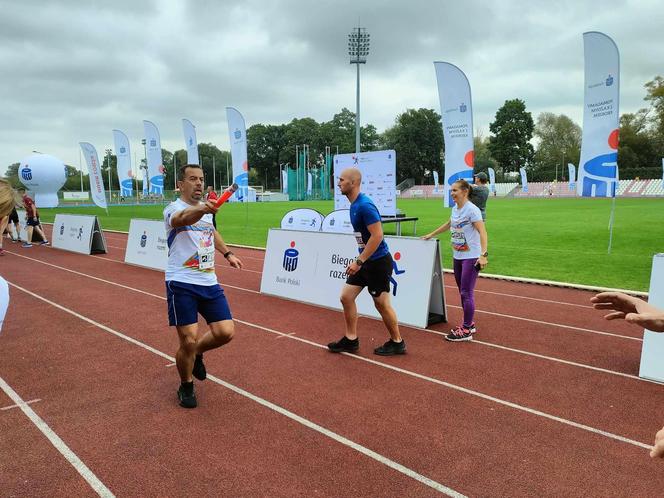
459, 334
390, 348
344, 344
199, 368
186, 395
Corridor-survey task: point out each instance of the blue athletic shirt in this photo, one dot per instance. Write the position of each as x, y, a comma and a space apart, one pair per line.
363, 212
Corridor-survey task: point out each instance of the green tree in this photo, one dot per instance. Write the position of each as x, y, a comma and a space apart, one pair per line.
267, 150
655, 95
513, 129
417, 138
559, 143
12, 174
483, 158
213, 161
638, 153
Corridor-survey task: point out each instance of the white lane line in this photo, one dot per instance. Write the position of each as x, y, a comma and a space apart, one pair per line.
503, 315
518, 351
542, 322
17, 406
413, 374
268, 404
516, 296
285, 335
58, 443
170, 365
465, 390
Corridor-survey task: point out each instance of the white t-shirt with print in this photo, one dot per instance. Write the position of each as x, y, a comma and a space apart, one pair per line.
190, 248
465, 237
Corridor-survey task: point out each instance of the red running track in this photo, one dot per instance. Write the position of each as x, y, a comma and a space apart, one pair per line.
545, 402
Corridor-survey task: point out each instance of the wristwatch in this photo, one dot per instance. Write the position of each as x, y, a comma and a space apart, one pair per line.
229, 253
358, 261
485, 254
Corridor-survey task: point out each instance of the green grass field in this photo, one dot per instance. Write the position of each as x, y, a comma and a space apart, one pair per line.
563, 240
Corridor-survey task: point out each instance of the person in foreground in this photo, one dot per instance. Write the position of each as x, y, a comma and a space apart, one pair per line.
191, 282
7, 203
636, 311
469, 247
371, 269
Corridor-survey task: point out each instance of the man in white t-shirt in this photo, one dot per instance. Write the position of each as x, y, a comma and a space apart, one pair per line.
191, 282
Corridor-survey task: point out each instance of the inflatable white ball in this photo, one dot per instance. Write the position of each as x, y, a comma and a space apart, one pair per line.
44, 175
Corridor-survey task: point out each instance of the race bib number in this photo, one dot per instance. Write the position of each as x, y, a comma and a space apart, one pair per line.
206, 258
358, 239
459, 242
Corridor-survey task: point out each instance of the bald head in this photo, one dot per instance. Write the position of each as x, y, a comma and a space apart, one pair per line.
353, 174
350, 181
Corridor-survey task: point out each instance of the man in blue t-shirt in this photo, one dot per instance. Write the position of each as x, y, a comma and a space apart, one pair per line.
372, 269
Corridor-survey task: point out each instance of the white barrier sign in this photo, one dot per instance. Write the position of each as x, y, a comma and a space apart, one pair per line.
379, 178
77, 233
76, 196
147, 244
305, 219
310, 267
652, 351
338, 222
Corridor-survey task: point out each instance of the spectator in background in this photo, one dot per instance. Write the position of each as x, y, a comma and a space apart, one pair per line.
14, 226
638, 312
212, 196
32, 219
479, 192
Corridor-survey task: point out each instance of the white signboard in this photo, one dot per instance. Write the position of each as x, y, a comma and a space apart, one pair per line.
379, 178
310, 267
77, 233
338, 222
147, 244
652, 350
305, 219
76, 196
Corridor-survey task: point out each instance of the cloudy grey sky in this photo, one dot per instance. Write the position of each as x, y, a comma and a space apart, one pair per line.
73, 70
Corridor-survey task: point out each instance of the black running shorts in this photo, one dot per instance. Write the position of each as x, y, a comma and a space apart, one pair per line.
374, 274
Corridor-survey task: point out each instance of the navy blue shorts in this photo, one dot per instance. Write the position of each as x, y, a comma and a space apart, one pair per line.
186, 301
32, 221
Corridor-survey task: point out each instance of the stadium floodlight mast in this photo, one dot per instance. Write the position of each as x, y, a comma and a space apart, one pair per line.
358, 49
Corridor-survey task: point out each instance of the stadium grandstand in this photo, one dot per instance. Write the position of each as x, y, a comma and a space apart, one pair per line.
626, 188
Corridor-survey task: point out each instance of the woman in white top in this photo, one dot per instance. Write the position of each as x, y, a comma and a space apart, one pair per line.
469, 247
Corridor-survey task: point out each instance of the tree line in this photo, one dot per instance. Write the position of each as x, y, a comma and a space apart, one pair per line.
417, 138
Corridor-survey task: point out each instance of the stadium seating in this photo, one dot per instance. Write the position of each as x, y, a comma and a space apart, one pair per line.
626, 188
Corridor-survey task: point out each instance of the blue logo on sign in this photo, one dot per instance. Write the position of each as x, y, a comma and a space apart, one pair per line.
62, 229
191, 141
332, 222
290, 258
237, 134
290, 220
609, 80
153, 142
123, 150
26, 173
463, 107
144, 239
